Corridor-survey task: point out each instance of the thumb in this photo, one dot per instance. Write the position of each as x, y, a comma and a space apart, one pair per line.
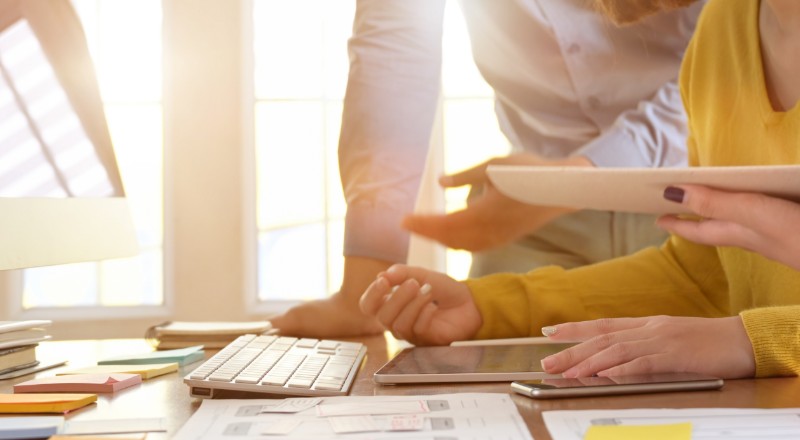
470, 176
399, 273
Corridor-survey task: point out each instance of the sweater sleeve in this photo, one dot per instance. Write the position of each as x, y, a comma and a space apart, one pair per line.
680, 278
775, 335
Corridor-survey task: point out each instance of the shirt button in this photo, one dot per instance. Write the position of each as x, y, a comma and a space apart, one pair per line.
573, 48
594, 102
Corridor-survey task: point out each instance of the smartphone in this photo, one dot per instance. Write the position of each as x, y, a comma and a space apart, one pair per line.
607, 386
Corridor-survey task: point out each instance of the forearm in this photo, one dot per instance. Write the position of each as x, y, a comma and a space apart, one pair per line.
650, 282
388, 115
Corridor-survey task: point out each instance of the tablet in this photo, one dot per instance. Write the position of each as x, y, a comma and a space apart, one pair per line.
635, 189
468, 363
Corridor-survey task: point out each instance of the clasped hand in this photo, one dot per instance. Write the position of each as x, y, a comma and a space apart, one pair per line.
422, 306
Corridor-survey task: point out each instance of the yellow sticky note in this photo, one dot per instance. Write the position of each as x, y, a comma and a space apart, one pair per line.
678, 431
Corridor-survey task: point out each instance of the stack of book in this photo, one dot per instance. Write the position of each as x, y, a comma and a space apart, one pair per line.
181, 334
18, 340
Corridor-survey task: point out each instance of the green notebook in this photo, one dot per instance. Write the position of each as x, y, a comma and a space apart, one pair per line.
182, 356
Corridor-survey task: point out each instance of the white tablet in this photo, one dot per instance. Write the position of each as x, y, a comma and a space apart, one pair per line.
468, 363
635, 189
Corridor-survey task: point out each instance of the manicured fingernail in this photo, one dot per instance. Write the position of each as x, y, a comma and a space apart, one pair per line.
549, 330
674, 194
547, 363
425, 289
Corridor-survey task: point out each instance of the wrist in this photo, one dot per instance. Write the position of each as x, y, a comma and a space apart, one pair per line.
359, 273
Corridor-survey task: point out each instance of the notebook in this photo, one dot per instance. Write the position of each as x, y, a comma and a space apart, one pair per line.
17, 333
14, 358
210, 334
80, 383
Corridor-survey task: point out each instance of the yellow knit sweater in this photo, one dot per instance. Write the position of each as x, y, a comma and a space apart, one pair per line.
731, 122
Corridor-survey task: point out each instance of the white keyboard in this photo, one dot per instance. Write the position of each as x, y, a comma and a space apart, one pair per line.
279, 365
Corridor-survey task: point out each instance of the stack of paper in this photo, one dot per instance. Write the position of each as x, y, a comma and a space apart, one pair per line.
146, 371
18, 340
30, 427
179, 334
183, 356
80, 383
15, 358
44, 403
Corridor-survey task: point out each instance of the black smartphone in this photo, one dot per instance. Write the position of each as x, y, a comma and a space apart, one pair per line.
606, 386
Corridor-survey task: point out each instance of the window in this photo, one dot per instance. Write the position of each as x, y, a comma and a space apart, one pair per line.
300, 75
284, 134
300, 51
124, 39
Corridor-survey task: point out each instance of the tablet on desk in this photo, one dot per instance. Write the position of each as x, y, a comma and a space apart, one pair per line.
635, 189
468, 363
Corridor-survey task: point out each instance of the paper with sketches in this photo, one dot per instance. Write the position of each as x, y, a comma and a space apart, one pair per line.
707, 423
418, 406
488, 416
292, 405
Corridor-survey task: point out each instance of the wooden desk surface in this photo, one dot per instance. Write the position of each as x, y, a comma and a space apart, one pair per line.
167, 396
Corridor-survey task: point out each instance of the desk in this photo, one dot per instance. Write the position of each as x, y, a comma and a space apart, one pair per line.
167, 396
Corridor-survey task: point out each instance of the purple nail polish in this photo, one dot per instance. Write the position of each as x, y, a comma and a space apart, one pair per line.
674, 194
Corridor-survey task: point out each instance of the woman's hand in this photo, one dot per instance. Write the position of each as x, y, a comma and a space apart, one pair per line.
422, 306
758, 223
657, 344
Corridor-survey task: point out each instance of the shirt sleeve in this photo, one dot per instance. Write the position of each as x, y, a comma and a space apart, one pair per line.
652, 135
681, 279
775, 335
388, 114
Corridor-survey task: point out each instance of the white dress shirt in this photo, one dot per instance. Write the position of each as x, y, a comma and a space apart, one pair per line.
566, 81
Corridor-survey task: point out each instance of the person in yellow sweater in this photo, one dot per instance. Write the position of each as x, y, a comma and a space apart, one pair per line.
721, 296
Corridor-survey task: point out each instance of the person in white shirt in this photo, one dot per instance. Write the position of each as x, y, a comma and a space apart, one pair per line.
571, 89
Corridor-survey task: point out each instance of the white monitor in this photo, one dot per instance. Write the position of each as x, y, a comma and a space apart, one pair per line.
61, 195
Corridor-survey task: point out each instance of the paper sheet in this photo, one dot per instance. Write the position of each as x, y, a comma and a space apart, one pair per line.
114, 426
707, 423
672, 431
487, 416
